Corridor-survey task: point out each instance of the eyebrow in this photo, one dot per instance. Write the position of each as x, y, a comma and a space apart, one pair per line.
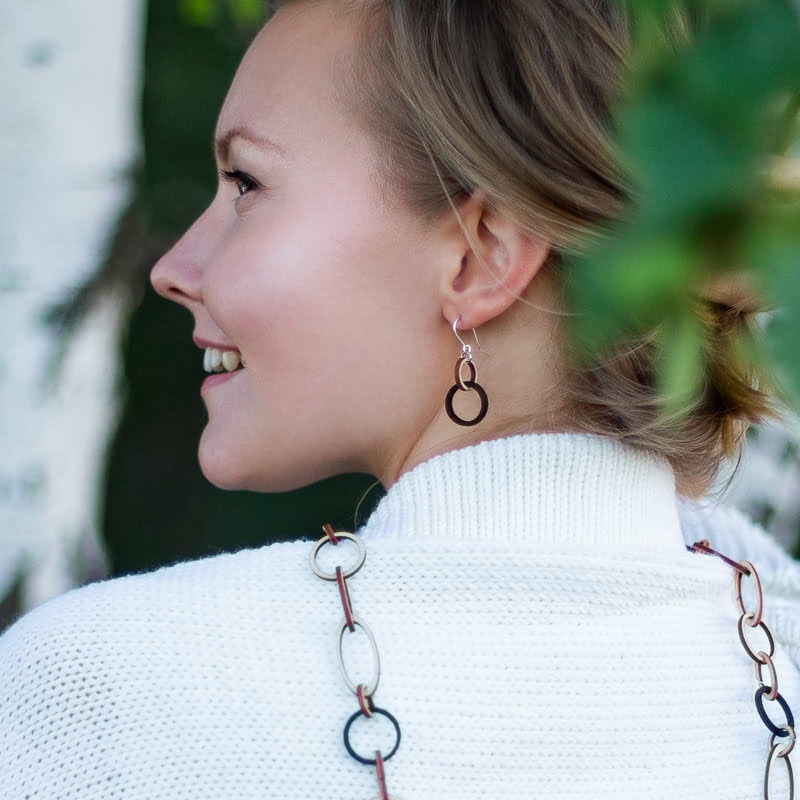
223, 143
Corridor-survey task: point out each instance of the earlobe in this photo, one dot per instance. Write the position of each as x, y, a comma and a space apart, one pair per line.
497, 261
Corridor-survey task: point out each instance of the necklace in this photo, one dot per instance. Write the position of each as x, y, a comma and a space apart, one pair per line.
782, 737
748, 620
363, 691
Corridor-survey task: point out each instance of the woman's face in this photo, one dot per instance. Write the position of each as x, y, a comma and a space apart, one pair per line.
300, 266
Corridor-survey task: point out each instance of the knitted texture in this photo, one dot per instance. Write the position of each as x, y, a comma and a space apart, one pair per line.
543, 634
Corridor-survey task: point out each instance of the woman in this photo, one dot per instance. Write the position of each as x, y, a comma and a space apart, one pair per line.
393, 176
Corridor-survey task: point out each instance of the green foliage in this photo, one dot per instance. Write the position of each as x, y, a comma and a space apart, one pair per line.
777, 243
200, 12
698, 126
209, 13
681, 372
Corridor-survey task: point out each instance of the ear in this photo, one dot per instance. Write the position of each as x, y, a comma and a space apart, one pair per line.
492, 264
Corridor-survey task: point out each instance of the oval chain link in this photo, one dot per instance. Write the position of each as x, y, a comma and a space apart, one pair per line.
746, 644
788, 746
751, 618
369, 688
772, 760
766, 661
362, 691
473, 373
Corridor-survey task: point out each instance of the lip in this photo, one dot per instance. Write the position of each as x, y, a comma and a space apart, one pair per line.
216, 379
204, 344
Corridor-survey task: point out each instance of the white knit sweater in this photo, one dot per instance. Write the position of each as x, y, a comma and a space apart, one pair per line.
543, 634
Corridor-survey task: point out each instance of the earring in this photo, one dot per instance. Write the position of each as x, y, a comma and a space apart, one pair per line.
469, 385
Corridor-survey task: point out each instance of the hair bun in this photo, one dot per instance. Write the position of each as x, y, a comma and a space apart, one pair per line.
734, 291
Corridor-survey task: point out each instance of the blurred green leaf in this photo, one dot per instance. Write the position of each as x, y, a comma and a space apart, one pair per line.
775, 247
208, 13
684, 167
787, 138
700, 118
627, 286
680, 371
248, 12
736, 63
203, 13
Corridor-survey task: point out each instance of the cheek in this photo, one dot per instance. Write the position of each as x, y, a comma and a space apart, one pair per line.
259, 271
310, 261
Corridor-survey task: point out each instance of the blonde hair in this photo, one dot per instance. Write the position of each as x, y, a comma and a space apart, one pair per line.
514, 98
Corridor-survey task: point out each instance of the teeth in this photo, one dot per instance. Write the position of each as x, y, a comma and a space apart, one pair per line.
215, 360
230, 360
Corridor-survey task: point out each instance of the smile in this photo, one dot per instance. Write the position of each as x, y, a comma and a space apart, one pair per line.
215, 360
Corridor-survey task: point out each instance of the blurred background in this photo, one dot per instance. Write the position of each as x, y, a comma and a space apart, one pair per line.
106, 117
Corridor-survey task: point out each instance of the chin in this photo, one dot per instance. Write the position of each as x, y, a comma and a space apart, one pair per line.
225, 467
232, 470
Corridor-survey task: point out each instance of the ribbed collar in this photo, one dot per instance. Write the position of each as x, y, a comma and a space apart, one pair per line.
557, 490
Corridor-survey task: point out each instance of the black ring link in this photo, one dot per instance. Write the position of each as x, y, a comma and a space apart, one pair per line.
759, 698
470, 386
370, 761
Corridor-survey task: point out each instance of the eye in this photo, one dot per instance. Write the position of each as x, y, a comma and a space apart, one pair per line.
243, 182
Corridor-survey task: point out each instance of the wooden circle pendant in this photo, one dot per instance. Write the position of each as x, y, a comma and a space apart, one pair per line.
470, 385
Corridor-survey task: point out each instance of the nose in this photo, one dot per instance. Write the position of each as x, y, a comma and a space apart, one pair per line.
178, 274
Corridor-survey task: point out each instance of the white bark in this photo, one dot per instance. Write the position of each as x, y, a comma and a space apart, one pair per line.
68, 136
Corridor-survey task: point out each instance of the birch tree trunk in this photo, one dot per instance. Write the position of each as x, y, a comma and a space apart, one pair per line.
68, 140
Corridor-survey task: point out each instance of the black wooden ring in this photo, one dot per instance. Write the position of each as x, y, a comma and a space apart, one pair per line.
471, 386
370, 761
780, 732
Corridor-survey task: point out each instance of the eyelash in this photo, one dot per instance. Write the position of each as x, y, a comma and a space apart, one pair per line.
243, 182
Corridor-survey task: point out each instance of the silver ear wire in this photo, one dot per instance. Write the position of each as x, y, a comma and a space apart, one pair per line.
466, 349
477, 342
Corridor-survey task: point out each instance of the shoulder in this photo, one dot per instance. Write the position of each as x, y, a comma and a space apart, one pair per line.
105, 682
147, 620
220, 578
108, 661
214, 585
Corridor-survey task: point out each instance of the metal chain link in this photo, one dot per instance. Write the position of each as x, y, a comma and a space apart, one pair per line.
362, 691
777, 750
